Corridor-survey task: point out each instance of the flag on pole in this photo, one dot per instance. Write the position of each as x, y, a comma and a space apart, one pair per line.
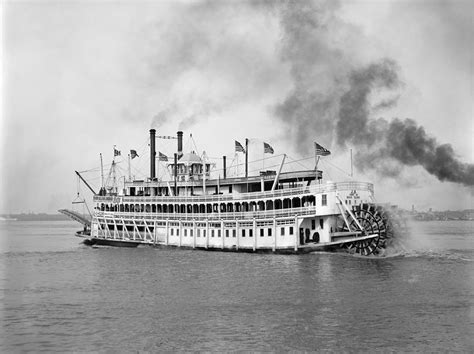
267, 149
239, 147
116, 152
321, 151
133, 154
162, 157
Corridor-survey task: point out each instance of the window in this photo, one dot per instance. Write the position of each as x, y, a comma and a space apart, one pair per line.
251, 233
185, 232
324, 200
212, 233
203, 233
282, 231
226, 233
230, 188
171, 232
219, 233
261, 232
243, 232
291, 230
321, 223
191, 233
269, 232
313, 224
177, 232
199, 233
234, 232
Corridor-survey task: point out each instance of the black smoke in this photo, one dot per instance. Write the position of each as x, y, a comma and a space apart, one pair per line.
394, 143
335, 96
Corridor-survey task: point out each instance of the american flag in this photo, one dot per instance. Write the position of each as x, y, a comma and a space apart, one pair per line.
239, 147
162, 157
116, 152
133, 154
321, 151
267, 149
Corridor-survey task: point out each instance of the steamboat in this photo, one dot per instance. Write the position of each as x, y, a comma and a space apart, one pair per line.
272, 211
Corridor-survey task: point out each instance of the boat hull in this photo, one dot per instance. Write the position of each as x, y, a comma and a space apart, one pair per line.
93, 241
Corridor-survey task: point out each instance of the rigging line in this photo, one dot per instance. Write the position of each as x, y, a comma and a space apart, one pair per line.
194, 142
340, 169
296, 161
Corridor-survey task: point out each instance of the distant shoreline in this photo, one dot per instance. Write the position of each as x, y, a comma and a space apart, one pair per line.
34, 217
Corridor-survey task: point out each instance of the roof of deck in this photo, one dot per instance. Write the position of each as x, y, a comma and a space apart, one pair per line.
285, 177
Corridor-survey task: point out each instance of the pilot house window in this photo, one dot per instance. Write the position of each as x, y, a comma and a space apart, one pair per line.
324, 200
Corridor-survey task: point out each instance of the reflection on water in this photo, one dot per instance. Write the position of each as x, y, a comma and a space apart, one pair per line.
60, 295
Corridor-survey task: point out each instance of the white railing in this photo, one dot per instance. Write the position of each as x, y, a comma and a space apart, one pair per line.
242, 215
289, 192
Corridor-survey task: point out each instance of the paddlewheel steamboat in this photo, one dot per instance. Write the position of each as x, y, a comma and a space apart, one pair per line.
274, 211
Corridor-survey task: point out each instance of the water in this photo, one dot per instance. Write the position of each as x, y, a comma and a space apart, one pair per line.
59, 295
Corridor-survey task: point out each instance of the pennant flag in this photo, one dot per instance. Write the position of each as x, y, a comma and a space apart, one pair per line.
162, 157
267, 149
239, 147
133, 154
321, 151
116, 152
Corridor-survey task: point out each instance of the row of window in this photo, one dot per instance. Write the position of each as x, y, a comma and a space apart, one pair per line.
218, 233
215, 207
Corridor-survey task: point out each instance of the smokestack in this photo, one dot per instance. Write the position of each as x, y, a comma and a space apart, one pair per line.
152, 154
180, 144
225, 166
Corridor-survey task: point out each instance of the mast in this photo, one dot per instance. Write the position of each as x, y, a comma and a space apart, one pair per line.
129, 169
175, 174
204, 172
101, 172
275, 182
246, 157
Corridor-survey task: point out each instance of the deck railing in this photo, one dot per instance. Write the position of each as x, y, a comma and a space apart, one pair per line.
245, 215
279, 193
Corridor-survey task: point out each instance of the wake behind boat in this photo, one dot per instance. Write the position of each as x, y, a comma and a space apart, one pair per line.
274, 211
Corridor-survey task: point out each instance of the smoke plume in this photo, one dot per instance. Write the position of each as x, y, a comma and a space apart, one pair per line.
395, 143
335, 96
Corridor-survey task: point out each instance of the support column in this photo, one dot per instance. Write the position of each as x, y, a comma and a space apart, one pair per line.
194, 233
237, 233
180, 233
254, 234
296, 232
207, 233
222, 233
274, 235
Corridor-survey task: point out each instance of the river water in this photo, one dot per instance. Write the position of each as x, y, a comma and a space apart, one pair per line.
59, 295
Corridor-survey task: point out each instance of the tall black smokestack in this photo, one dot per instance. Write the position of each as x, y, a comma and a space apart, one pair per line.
180, 144
225, 166
152, 154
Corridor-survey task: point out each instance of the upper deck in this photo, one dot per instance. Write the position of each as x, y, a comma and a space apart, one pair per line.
262, 195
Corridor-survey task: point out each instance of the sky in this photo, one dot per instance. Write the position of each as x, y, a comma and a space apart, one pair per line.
391, 81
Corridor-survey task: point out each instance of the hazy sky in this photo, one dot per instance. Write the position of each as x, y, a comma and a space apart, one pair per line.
79, 77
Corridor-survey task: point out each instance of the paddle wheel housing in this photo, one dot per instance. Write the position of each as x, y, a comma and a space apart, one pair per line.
381, 221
